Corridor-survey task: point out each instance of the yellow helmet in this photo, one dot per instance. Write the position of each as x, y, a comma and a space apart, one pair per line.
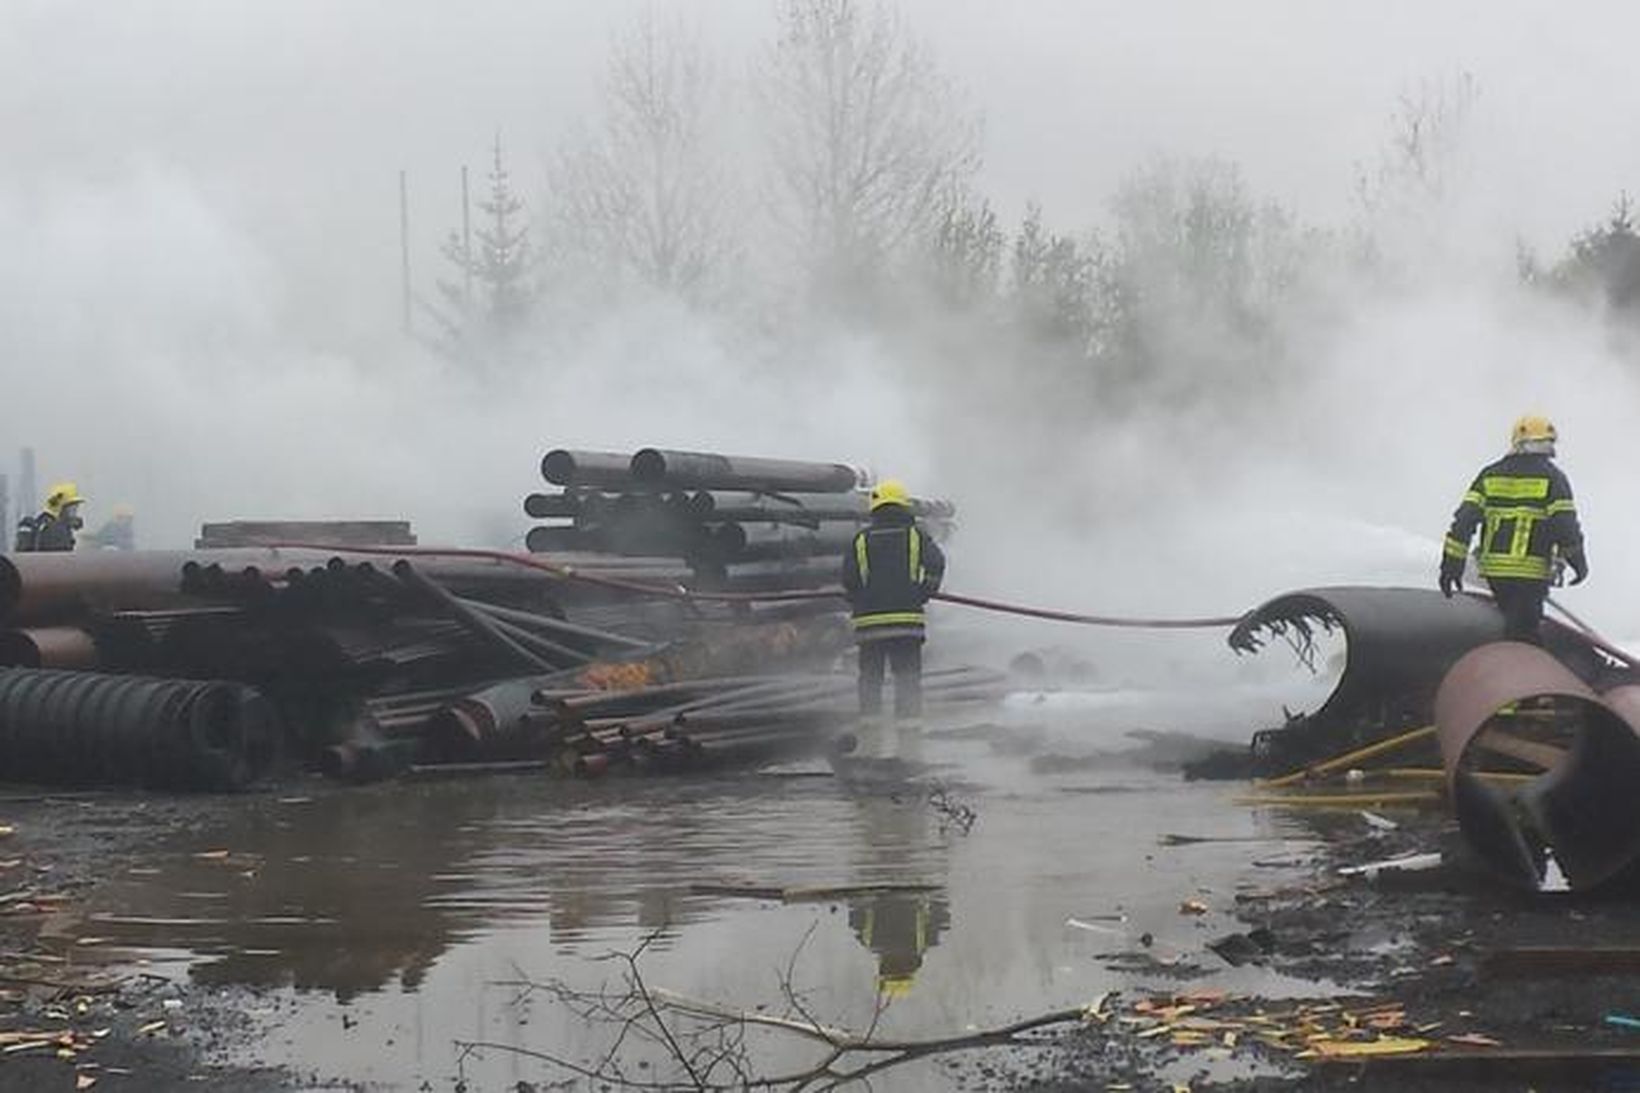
62, 495
890, 491
1532, 429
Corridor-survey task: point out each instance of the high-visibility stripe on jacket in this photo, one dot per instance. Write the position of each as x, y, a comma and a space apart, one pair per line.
890, 570
1523, 507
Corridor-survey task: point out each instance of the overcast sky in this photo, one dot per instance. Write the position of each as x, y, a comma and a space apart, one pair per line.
293, 116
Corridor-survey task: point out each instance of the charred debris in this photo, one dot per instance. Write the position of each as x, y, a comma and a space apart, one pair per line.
670, 623
1535, 749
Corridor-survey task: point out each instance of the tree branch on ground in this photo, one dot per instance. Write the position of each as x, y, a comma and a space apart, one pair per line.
707, 1042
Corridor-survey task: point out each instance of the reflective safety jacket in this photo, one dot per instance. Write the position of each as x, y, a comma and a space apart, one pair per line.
1523, 506
890, 571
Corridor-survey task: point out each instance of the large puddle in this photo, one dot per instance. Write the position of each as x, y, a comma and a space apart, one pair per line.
391, 924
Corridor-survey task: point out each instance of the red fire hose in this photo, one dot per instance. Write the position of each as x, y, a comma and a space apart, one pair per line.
679, 592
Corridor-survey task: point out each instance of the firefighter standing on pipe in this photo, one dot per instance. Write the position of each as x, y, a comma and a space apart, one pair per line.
891, 569
1528, 521
53, 529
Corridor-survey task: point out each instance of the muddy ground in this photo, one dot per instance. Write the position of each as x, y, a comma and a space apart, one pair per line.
313, 936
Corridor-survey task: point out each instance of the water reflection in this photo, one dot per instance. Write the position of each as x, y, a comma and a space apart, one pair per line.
897, 844
357, 892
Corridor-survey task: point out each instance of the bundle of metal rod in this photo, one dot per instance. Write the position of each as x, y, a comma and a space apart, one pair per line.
82, 728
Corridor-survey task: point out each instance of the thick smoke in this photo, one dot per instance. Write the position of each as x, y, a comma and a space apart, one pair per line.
198, 300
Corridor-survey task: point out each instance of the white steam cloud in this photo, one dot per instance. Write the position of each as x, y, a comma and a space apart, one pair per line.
203, 332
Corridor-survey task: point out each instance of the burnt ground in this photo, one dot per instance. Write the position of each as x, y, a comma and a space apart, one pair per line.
1433, 944
122, 1028
1425, 942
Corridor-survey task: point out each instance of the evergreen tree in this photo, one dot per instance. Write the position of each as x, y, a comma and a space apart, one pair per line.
489, 307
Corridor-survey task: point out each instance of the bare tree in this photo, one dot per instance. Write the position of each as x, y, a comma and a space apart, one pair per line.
643, 196
1421, 163
867, 147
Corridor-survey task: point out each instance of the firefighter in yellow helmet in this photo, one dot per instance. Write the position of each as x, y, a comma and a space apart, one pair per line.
1523, 506
53, 529
889, 571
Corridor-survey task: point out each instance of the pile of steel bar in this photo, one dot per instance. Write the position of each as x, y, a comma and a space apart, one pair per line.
737, 522
687, 724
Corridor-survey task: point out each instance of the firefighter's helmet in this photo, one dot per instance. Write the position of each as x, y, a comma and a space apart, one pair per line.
890, 491
62, 495
1532, 429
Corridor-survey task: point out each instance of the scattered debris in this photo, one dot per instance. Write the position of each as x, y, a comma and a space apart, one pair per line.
1406, 863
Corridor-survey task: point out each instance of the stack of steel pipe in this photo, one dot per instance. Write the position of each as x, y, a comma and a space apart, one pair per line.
740, 523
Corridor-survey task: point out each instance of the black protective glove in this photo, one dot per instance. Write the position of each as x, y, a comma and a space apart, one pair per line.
1451, 575
1580, 567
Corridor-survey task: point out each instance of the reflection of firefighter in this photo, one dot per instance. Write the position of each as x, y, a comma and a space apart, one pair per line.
53, 529
899, 927
118, 532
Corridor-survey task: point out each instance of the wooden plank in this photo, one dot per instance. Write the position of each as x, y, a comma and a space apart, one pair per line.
1542, 756
1504, 1068
1547, 961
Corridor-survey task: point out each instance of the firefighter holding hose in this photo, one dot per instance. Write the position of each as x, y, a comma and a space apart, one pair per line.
1523, 506
891, 569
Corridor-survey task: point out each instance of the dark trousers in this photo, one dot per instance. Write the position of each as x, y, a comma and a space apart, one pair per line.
1522, 605
904, 655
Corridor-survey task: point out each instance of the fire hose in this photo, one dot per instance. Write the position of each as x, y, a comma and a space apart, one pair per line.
1212, 622
681, 593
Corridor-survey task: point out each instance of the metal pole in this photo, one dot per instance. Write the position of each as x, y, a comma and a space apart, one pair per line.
404, 245
466, 242
480, 627
28, 499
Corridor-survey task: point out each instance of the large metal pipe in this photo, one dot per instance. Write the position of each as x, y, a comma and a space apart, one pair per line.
663, 468
1398, 644
82, 728
797, 508
544, 506
532, 620
52, 587
1582, 811
498, 722
480, 627
572, 467
65, 647
558, 539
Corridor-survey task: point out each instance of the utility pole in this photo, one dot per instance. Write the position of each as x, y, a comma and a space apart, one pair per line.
466, 242
404, 245
27, 500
